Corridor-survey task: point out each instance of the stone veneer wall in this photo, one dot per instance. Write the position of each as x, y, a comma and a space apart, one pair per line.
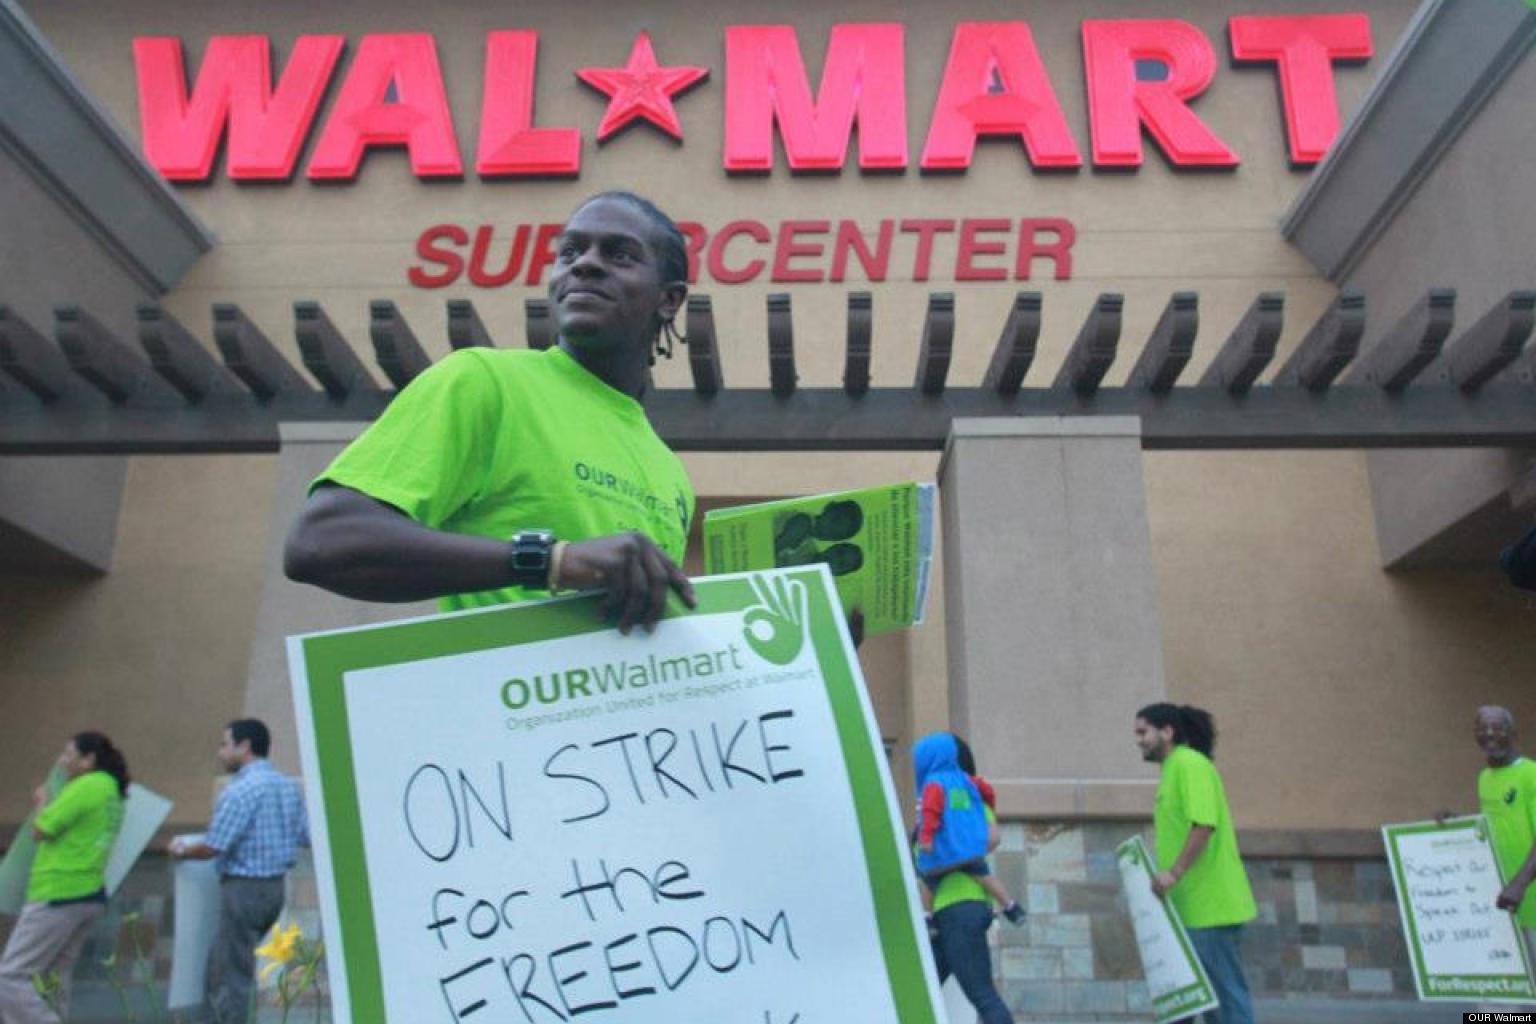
1326, 928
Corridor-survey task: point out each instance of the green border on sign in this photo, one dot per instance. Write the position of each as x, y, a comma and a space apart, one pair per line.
1179, 1003
328, 657
1421, 976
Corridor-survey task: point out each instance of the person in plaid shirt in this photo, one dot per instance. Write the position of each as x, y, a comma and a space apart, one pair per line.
258, 825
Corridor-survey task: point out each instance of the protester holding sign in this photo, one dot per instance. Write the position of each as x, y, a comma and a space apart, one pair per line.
258, 825
1198, 864
66, 892
501, 475
1506, 789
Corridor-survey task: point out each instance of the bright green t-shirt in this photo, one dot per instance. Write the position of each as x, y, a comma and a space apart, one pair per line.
82, 822
1215, 890
1508, 798
489, 442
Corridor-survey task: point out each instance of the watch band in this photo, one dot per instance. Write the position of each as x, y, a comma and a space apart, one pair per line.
556, 556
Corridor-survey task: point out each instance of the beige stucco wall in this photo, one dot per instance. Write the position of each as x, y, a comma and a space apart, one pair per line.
154, 653
1342, 692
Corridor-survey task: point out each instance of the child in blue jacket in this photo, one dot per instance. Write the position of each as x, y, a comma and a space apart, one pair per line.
953, 826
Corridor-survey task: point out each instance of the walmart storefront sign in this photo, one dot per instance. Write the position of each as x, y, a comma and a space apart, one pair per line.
523, 815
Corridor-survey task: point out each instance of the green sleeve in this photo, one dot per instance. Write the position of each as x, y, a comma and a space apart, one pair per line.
1530, 795
65, 809
1199, 793
428, 453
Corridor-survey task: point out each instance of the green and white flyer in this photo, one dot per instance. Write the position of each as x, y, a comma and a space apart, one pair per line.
877, 542
1461, 946
1176, 980
521, 815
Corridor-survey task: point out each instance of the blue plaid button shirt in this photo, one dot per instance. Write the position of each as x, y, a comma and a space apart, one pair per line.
259, 823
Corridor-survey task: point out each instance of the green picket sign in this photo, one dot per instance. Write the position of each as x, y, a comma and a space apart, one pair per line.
518, 805
1176, 980
1460, 945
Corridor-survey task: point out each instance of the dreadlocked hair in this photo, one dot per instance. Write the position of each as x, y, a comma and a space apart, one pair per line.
672, 249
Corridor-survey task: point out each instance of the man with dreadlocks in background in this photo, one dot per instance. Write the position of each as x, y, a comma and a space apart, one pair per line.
1198, 864
501, 475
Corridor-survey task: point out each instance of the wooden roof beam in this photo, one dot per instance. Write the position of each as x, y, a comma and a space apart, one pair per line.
465, 329
861, 317
1093, 352
781, 346
703, 349
1249, 348
1491, 344
180, 358
113, 368
1328, 347
538, 323
32, 360
938, 344
1410, 346
1172, 342
1015, 350
327, 355
252, 357
395, 345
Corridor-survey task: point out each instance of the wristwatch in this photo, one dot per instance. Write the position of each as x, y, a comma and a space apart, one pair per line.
528, 558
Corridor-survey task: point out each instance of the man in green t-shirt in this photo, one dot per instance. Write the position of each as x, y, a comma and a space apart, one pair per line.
1199, 868
499, 475
66, 889
1506, 792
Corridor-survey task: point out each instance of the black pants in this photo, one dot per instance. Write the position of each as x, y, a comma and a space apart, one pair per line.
961, 950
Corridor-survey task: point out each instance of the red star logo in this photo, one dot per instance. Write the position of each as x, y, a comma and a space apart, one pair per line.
641, 89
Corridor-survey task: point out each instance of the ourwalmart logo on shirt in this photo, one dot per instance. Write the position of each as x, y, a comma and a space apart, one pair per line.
636, 492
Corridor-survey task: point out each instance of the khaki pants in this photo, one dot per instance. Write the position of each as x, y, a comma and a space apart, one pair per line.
47, 940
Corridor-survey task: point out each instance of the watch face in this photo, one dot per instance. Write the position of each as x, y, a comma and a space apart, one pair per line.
530, 556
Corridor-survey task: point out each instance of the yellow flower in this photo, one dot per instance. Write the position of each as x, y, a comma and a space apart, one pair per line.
279, 948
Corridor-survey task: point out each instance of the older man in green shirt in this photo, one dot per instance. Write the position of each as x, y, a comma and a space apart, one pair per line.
1506, 794
1199, 868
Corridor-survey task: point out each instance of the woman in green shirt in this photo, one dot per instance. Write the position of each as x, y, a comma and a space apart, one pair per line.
66, 891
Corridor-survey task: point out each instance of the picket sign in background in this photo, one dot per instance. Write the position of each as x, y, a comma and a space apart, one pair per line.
1460, 945
1176, 979
718, 840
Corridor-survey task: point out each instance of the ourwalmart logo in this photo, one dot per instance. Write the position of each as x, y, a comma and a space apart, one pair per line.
775, 626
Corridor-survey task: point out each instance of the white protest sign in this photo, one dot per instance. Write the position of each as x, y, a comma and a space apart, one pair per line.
144, 811
1176, 980
1460, 944
197, 917
525, 815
